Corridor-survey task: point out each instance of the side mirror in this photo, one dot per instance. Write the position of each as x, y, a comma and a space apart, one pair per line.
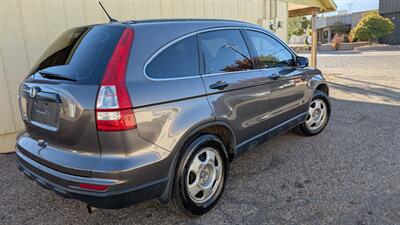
301, 62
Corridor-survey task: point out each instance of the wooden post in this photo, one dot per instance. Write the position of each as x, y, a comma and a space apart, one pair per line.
314, 44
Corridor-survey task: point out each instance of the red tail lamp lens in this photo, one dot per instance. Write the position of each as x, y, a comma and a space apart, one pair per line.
114, 108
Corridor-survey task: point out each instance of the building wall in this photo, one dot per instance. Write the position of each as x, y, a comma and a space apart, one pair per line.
393, 38
389, 6
348, 19
326, 24
27, 27
391, 10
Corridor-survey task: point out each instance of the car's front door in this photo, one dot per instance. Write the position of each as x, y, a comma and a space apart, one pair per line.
287, 84
235, 89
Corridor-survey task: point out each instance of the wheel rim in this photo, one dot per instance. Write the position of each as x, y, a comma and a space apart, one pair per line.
317, 115
204, 175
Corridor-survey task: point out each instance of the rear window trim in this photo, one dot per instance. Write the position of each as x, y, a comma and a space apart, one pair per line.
183, 37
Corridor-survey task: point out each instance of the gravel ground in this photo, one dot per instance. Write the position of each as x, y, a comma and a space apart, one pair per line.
349, 174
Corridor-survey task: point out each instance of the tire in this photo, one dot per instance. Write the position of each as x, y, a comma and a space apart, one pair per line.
306, 128
188, 178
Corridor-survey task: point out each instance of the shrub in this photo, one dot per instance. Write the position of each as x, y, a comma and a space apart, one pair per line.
297, 26
371, 26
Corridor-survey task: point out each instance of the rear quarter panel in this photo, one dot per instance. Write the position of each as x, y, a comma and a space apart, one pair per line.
166, 124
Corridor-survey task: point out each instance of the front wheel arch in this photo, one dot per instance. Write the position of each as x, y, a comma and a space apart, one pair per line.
323, 87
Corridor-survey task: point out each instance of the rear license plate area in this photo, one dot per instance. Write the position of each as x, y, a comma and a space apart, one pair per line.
44, 110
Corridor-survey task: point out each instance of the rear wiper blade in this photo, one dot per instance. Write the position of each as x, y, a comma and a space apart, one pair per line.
50, 75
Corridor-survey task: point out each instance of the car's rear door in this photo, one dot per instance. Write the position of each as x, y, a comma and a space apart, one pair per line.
235, 89
287, 84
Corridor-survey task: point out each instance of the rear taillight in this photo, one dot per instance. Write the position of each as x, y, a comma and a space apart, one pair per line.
113, 107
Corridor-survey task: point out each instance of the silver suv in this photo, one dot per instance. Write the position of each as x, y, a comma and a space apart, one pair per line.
130, 111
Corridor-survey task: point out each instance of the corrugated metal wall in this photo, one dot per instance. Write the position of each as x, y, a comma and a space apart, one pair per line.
393, 38
27, 27
391, 10
389, 6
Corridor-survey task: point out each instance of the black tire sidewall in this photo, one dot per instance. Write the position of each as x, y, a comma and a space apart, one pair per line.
180, 195
303, 127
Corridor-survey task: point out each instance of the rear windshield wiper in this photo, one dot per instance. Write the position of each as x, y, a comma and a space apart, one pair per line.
51, 75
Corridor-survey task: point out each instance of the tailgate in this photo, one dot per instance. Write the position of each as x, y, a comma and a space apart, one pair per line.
57, 99
60, 129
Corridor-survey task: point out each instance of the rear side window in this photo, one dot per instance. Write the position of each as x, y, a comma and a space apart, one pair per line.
224, 51
269, 52
83, 52
178, 60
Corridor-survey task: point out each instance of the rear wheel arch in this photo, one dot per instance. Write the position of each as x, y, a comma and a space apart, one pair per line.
180, 200
217, 128
225, 134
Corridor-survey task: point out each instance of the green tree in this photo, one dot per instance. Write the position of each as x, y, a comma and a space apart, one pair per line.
371, 26
298, 26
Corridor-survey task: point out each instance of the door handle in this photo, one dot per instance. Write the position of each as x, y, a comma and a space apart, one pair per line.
220, 85
274, 76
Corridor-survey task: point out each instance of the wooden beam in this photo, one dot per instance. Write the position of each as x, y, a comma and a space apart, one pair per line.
303, 11
314, 44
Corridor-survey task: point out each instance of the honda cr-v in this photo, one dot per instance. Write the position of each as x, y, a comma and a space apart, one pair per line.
124, 112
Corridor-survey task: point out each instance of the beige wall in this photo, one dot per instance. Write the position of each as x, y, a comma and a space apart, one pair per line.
27, 27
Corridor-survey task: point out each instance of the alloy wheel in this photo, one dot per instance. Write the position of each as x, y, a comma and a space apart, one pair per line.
204, 175
317, 114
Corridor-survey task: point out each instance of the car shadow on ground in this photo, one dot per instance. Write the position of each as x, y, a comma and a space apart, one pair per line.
387, 94
386, 87
343, 175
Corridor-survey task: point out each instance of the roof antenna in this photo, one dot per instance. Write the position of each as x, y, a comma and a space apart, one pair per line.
109, 17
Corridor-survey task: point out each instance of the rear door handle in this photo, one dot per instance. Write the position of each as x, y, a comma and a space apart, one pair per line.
220, 85
274, 76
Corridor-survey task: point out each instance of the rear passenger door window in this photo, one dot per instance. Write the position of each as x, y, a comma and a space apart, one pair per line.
224, 51
176, 61
269, 52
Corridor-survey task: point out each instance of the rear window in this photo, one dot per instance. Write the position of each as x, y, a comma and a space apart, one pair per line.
178, 60
83, 52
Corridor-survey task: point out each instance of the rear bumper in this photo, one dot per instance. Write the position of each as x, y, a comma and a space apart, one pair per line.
63, 185
131, 168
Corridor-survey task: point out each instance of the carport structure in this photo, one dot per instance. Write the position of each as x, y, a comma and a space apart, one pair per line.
311, 7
